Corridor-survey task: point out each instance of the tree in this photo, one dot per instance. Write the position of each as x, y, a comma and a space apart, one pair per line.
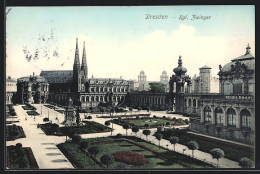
71, 134
119, 135
18, 145
84, 145
139, 109
94, 150
146, 132
107, 123
217, 153
77, 117
146, 126
130, 109
102, 110
158, 136
126, 127
157, 87
192, 145
46, 119
174, 140
245, 163
76, 139
107, 159
89, 118
135, 129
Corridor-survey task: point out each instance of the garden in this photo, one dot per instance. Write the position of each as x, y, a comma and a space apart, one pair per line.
151, 122
28, 107
19, 157
88, 127
124, 152
14, 132
11, 110
32, 113
232, 151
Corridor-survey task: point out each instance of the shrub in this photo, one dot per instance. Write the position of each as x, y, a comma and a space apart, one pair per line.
76, 139
174, 140
71, 134
119, 135
94, 150
246, 163
164, 117
107, 159
46, 119
18, 145
154, 116
130, 158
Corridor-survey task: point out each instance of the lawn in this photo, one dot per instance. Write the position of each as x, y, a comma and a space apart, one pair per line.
50, 106
32, 113
232, 153
141, 122
12, 135
161, 159
26, 108
90, 127
13, 162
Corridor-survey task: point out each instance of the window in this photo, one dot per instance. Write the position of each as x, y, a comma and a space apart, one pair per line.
219, 116
231, 117
207, 114
245, 119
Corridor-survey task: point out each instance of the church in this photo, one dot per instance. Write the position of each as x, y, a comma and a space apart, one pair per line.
84, 91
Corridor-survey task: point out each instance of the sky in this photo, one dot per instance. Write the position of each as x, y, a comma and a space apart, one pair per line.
120, 41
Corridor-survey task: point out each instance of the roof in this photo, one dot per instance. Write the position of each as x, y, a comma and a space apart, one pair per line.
28, 78
107, 81
250, 64
62, 76
10, 80
243, 57
205, 67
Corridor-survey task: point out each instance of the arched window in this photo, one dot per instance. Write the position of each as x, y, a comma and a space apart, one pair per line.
219, 116
189, 102
83, 99
87, 98
92, 98
207, 114
194, 102
97, 98
118, 99
245, 119
101, 89
231, 117
97, 89
101, 99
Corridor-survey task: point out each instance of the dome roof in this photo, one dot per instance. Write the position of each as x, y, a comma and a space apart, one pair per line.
142, 72
247, 59
205, 67
180, 70
164, 72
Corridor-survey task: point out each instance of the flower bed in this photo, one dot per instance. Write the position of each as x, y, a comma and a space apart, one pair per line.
69, 156
32, 160
26, 108
130, 158
10, 136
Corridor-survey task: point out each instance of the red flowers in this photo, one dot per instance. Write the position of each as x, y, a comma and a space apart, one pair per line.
130, 158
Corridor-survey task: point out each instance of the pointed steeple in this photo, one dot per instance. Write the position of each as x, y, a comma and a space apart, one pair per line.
84, 61
76, 60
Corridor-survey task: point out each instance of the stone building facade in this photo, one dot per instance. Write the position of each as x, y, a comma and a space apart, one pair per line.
32, 89
231, 113
84, 91
11, 90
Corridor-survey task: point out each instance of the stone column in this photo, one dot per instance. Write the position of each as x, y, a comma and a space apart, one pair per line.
202, 115
213, 119
238, 119
224, 117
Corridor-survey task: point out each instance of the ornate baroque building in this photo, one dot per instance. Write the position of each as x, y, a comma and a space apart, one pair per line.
230, 114
84, 91
32, 89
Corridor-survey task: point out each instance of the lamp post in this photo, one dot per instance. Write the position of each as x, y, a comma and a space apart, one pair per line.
41, 110
48, 115
34, 114
66, 125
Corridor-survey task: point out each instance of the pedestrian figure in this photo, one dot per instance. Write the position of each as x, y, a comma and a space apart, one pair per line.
26, 118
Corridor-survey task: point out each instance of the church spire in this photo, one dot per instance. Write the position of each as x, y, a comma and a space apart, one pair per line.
84, 61
76, 60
